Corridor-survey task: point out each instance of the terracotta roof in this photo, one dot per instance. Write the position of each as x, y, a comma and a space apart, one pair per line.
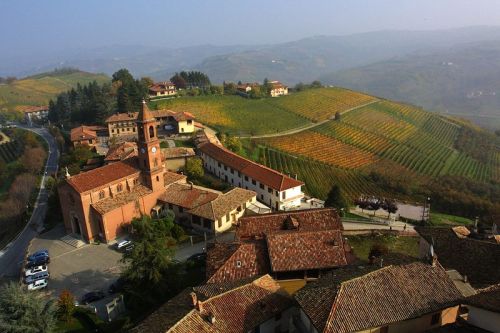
162, 86
29, 109
293, 251
111, 203
487, 298
262, 174
308, 220
177, 152
223, 204
162, 113
187, 196
234, 261
376, 297
477, 259
123, 117
82, 133
122, 151
238, 310
104, 175
172, 177
183, 116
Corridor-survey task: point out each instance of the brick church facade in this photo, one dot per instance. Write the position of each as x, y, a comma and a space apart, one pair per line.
96, 205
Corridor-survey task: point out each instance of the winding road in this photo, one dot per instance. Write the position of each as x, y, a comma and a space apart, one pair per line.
12, 255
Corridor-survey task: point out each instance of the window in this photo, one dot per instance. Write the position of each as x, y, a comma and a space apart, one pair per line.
246, 178
435, 318
219, 164
190, 122
151, 131
262, 197
283, 195
119, 188
136, 181
238, 263
133, 129
225, 168
254, 182
239, 174
181, 210
170, 206
157, 178
269, 190
112, 131
261, 186
102, 195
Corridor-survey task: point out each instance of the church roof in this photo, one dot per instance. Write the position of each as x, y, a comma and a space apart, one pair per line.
145, 114
99, 177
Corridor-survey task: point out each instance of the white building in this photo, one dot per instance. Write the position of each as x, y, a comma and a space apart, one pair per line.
484, 309
273, 188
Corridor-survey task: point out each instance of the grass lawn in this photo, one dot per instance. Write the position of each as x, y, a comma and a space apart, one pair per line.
185, 143
349, 215
361, 244
445, 219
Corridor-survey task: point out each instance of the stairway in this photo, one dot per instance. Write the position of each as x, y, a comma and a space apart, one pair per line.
73, 240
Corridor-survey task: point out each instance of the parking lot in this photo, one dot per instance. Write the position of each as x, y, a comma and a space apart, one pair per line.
79, 270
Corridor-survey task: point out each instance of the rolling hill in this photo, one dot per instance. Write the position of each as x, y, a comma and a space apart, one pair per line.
463, 80
377, 147
39, 89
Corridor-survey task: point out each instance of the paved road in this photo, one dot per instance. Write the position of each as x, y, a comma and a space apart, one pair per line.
306, 127
184, 252
12, 255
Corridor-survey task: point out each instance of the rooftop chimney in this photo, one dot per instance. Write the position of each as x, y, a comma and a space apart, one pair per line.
211, 318
194, 298
67, 173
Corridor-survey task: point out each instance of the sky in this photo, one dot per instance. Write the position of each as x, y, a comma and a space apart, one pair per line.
58, 25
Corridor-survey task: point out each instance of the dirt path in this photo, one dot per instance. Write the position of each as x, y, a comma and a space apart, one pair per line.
306, 127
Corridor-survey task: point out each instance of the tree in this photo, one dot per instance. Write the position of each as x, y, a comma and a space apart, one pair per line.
234, 144
336, 199
377, 250
316, 84
179, 81
229, 88
24, 311
194, 168
147, 81
66, 306
152, 252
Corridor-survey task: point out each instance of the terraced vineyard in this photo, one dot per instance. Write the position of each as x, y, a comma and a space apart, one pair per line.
385, 132
10, 151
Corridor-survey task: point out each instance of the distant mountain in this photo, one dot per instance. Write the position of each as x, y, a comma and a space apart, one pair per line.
304, 60
463, 80
37, 90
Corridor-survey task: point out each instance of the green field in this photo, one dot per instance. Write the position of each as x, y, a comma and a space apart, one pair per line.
444, 219
39, 89
405, 245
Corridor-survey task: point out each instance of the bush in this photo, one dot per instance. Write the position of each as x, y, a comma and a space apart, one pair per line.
177, 232
377, 250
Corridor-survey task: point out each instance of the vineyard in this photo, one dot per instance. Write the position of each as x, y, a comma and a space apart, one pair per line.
10, 151
384, 132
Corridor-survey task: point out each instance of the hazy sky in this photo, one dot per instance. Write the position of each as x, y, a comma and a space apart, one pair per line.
26, 26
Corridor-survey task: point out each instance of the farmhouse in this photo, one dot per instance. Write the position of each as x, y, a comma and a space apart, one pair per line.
176, 158
278, 89
124, 124
398, 297
205, 209
252, 305
161, 89
35, 113
98, 204
86, 135
273, 188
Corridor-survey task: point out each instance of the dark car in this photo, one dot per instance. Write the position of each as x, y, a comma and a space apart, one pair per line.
38, 254
92, 297
117, 286
41, 260
198, 257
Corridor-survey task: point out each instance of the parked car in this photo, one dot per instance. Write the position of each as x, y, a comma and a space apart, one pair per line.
35, 269
197, 257
37, 276
38, 284
38, 254
120, 246
92, 297
117, 286
37, 262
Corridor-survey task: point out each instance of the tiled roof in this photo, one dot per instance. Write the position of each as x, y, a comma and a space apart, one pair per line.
123, 117
293, 251
29, 109
262, 174
122, 151
237, 310
111, 203
104, 175
82, 133
234, 261
477, 259
182, 116
172, 177
223, 204
308, 220
162, 86
487, 298
369, 297
187, 196
177, 152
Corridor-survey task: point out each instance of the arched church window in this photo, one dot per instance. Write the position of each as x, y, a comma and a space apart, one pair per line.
119, 188
151, 131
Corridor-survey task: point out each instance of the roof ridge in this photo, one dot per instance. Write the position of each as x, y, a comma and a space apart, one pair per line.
237, 288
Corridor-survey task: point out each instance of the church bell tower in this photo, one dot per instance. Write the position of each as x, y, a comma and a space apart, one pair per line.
150, 159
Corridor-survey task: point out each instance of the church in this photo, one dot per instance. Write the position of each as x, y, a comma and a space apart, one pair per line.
98, 204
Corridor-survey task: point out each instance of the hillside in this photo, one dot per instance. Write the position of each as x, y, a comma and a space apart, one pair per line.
462, 81
40, 88
378, 147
